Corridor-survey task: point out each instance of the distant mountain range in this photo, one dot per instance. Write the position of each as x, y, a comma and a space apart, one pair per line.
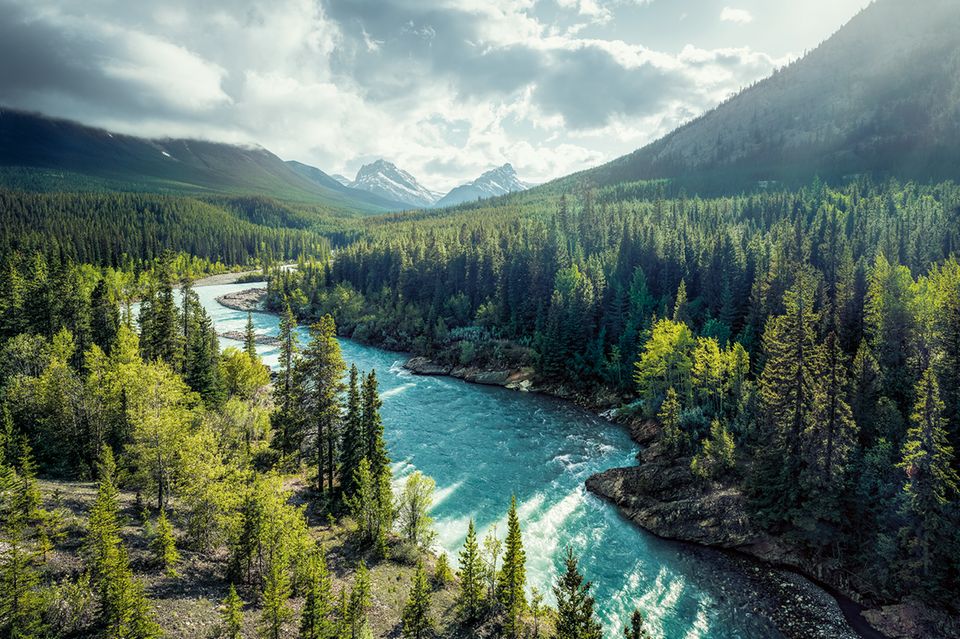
388, 181
498, 181
881, 97
47, 154
41, 153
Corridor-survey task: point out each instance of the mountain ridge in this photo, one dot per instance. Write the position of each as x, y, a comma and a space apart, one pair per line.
498, 181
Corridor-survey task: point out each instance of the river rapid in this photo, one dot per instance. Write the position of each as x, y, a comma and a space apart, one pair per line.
483, 444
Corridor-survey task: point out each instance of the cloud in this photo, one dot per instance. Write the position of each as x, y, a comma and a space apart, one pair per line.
445, 89
739, 16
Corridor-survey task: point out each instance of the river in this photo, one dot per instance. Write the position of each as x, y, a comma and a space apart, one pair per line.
482, 444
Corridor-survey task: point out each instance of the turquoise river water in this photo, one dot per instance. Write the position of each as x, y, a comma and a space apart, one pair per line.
482, 444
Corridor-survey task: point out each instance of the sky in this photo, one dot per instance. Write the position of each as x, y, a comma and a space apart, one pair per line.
446, 89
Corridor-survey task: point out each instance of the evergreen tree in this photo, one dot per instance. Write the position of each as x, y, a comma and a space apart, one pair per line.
636, 629
315, 619
318, 374
669, 417
442, 575
416, 613
353, 441
250, 338
203, 359
231, 615
788, 391
276, 592
359, 602
21, 603
376, 448
164, 545
931, 480
512, 579
575, 616
104, 316
284, 390
470, 597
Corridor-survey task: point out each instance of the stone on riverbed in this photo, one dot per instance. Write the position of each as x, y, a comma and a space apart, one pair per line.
251, 299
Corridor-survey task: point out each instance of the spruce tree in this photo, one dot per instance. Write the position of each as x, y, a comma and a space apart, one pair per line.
932, 481
164, 545
319, 372
353, 440
250, 338
21, 604
276, 592
286, 419
376, 448
442, 575
231, 615
470, 598
635, 629
513, 576
416, 613
315, 618
359, 602
575, 616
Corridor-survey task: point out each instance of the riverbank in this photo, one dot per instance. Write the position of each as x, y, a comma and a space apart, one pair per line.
790, 596
800, 608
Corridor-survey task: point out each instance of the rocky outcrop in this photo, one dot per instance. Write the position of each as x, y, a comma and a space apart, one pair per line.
911, 619
240, 336
519, 379
251, 299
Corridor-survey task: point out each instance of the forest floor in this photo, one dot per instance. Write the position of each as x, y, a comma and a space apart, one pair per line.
188, 605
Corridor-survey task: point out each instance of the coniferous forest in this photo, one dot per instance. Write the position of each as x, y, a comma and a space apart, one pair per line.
741, 342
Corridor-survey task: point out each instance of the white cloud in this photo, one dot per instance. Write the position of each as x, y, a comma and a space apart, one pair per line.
739, 16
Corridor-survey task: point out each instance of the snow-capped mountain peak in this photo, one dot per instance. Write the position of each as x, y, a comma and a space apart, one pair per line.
388, 180
498, 181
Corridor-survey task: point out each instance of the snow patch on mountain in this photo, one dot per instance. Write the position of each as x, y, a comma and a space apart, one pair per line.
387, 180
498, 181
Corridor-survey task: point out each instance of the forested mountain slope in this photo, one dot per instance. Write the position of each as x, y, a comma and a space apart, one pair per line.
41, 153
881, 96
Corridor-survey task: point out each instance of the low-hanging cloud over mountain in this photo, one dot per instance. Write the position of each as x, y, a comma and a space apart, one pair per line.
447, 89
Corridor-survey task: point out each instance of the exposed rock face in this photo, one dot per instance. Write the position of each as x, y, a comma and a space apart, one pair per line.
250, 299
910, 620
662, 496
521, 379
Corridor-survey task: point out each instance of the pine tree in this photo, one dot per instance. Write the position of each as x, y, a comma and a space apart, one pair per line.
104, 316
931, 480
250, 338
575, 616
376, 448
231, 615
315, 618
318, 373
513, 576
470, 598
636, 629
276, 592
359, 603
164, 545
21, 604
442, 575
788, 391
286, 419
416, 613
669, 417
831, 436
353, 441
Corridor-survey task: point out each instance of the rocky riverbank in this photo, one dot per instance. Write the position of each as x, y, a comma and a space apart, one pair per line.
662, 496
251, 299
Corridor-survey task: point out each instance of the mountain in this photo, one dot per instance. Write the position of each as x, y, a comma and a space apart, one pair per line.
46, 154
342, 185
498, 181
880, 96
388, 181
341, 179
